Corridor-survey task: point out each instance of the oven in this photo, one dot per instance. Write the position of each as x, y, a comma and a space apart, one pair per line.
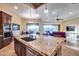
6, 31
7, 34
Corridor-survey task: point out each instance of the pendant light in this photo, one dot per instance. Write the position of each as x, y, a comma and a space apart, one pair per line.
29, 14
30, 10
37, 14
46, 9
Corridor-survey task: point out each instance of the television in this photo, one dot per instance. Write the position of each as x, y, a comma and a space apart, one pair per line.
70, 28
15, 27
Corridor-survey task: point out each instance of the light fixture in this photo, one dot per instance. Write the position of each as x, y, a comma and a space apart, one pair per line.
46, 10
30, 10
29, 15
15, 7
53, 12
70, 13
37, 14
32, 15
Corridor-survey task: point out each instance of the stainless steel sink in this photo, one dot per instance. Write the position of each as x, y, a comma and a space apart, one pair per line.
28, 39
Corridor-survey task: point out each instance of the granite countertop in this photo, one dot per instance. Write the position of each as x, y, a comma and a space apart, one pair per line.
45, 45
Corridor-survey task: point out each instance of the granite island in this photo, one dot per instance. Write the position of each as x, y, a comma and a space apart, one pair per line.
41, 46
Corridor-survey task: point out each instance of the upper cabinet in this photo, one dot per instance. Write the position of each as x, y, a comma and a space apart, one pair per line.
6, 18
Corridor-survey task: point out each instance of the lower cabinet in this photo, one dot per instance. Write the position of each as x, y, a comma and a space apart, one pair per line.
31, 52
1, 42
7, 41
23, 50
20, 49
4, 42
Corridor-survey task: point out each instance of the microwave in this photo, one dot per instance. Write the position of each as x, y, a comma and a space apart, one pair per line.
6, 27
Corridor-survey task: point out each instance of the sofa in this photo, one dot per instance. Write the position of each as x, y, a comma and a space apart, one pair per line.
59, 34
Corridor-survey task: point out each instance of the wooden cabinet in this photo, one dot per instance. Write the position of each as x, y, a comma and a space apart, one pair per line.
20, 49
31, 52
1, 24
1, 45
23, 50
5, 19
7, 41
17, 47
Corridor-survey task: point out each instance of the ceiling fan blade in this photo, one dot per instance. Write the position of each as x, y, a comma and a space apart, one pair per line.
61, 19
57, 19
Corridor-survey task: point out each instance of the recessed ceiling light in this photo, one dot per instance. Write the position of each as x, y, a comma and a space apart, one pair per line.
53, 12
15, 7
70, 12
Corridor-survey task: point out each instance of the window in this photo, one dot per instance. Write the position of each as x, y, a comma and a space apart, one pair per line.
16, 27
49, 28
32, 28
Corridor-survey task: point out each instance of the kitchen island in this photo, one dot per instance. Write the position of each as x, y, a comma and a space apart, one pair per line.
41, 46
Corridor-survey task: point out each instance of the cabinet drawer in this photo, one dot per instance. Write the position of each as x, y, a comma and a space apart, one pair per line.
23, 51
32, 52
29, 53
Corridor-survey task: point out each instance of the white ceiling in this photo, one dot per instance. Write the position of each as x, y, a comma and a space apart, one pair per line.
63, 10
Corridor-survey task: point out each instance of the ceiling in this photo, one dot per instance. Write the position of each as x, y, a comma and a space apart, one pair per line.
65, 11
36, 5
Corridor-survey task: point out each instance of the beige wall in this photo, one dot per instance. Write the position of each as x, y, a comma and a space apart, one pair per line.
25, 21
74, 21
15, 18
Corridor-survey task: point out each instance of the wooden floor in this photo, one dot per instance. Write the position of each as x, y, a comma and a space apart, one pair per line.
9, 51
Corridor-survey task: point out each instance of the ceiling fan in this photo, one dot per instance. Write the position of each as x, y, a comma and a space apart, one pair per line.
58, 19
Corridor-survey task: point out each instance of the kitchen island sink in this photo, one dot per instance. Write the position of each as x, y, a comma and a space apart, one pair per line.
28, 39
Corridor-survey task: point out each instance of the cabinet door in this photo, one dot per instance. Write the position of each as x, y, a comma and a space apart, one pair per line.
7, 41
23, 51
1, 26
1, 42
20, 48
31, 52
8, 18
17, 47
4, 17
